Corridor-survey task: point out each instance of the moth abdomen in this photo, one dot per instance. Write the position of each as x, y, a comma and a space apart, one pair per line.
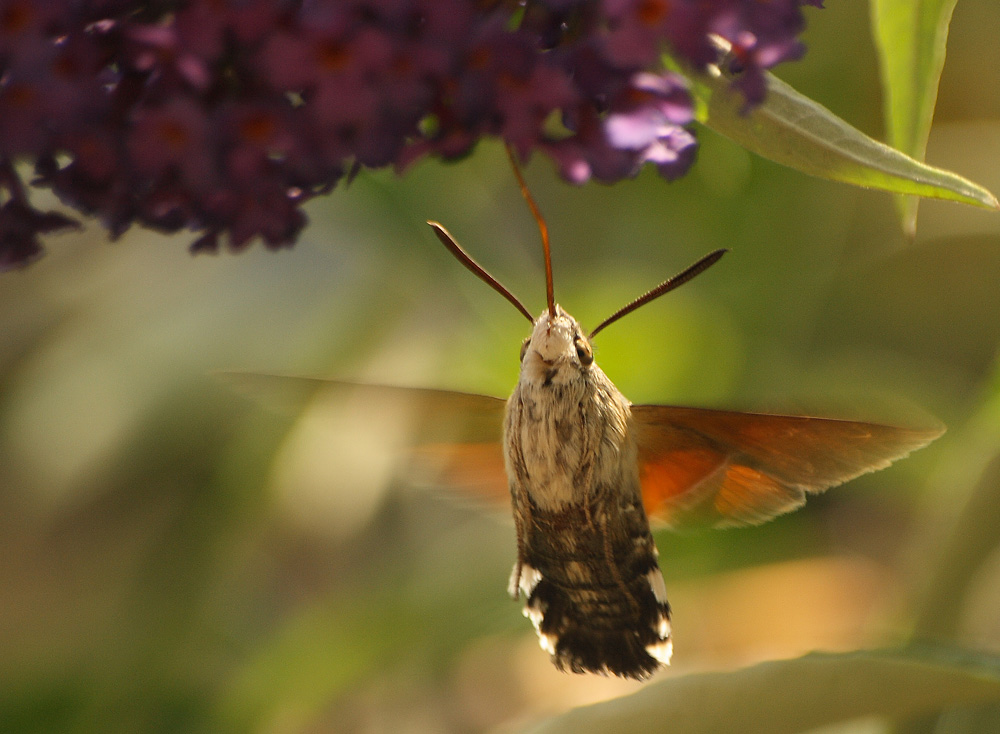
598, 606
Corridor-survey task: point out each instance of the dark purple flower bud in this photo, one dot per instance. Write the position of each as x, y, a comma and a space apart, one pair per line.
173, 140
208, 243
20, 226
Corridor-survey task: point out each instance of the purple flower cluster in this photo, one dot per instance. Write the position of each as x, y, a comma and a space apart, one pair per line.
225, 116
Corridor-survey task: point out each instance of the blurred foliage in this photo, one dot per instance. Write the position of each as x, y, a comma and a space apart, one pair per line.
825, 689
174, 558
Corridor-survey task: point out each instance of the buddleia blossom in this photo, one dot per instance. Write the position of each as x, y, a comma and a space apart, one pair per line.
224, 117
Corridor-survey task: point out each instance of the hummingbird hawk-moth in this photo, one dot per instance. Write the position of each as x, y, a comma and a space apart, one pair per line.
586, 471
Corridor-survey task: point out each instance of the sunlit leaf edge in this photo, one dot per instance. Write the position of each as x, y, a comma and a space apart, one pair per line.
796, 131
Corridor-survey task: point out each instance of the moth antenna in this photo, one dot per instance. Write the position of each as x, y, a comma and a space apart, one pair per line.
463, 257
542, 228
665, 287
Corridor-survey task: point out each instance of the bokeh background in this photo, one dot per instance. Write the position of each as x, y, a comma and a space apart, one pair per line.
174, 557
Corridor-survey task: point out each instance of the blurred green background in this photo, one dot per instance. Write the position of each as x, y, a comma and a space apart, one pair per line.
173, 557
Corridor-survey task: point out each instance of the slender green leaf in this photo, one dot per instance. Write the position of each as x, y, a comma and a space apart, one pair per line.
911, 37
785, 696
791, 129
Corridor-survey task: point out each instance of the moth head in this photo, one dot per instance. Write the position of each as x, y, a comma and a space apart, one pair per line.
556, 338
556, 341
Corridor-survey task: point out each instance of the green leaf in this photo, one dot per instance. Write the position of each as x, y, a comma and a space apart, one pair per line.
911, 37
785, 696
791, 129
974, 534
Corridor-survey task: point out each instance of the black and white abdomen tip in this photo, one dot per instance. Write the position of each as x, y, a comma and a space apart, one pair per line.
612, 628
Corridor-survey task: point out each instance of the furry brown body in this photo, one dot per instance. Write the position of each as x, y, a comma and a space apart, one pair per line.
586, 561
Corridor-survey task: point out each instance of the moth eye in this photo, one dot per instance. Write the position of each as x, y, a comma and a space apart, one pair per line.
524, 346
583, 351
